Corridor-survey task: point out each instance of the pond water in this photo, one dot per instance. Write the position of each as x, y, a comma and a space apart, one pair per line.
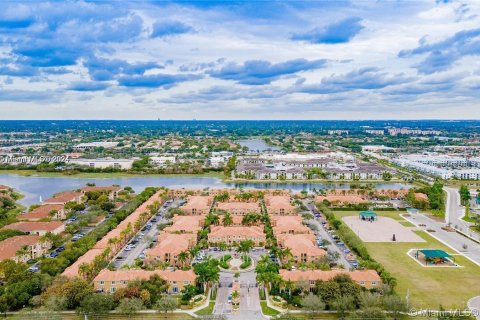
257, 145
34, 187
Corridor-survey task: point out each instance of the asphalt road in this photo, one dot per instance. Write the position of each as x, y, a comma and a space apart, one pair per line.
332, 247
455, 212
452, 239
128, 257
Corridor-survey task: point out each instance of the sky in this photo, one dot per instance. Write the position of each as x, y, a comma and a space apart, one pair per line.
240, 60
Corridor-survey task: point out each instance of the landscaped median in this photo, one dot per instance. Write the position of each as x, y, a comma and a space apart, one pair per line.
449, 287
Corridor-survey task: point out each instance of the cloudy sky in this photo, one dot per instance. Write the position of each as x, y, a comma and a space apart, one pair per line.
240, 60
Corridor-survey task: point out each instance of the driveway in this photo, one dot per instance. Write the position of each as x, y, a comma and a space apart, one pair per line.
332, 247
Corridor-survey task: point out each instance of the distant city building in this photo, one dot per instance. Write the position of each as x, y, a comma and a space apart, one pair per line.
406, 131
442, 166
104, 163
93, 145
338, 132
375, 132
163, 161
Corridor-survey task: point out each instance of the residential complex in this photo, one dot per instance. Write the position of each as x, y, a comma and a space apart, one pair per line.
332, 166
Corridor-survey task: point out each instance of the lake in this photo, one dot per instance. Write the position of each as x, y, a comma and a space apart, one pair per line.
34, 187
257, 145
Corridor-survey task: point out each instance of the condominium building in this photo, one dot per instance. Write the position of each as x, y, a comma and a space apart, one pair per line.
45, 212
233, 235
197, 205
23, 248
366, 278
108, 281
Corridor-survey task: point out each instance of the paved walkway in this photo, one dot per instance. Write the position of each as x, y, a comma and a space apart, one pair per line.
474, 306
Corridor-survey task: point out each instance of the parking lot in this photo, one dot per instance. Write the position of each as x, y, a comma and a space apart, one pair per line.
137, 246
328, 241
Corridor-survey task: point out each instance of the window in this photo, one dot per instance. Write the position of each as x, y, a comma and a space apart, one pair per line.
113, 283
102, 283
112, 290
374, 283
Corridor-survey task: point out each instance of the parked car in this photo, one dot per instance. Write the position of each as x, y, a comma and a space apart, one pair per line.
33, 269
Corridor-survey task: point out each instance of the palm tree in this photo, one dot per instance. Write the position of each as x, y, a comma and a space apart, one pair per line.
85, 270
245, 246
183, 257
227, 219
193, 252
24, 251
285, 255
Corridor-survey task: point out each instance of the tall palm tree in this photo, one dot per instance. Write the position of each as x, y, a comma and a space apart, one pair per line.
183, 257
227, 219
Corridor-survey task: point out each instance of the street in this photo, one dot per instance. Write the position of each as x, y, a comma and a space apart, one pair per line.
332, 247
127, 257
454, 213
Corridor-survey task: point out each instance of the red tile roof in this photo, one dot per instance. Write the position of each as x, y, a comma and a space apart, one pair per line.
41, 212
10, 246
29, 226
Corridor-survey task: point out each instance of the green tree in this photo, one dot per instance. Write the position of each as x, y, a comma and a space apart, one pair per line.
166, 303
464, 194
313, 303
130, 306
96, 304
343, 304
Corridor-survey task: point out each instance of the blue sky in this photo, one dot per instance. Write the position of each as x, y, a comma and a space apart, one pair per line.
240, 60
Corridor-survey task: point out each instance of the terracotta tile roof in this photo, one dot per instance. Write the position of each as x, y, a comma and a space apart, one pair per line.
220, 231
315, 275
171, 243
302, 243
130, 275
421, 196
355, 199
132, 218
3, 187
197, 202
10, 246
101, 245
98, 188
186, 224
88, 257
63, 197
41, 212
29, 226
278, 221
239, 206
278, 202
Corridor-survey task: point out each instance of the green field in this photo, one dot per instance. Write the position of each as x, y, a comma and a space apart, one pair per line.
207, 310
427, 287
266, 310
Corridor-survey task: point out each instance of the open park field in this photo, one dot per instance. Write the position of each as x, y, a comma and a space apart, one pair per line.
381, 230
426, 287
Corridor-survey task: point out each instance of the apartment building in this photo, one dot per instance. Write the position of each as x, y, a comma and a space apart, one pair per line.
233, 235
197, 205
110, 281
302, 246
168, 248
239, 208
23, 248
37, 227
366, 278
104, 163
279, 205
64, 197
45, 212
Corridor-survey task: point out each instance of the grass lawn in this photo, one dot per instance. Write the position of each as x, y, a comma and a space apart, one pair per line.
207, 310
266, 310
428, 287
